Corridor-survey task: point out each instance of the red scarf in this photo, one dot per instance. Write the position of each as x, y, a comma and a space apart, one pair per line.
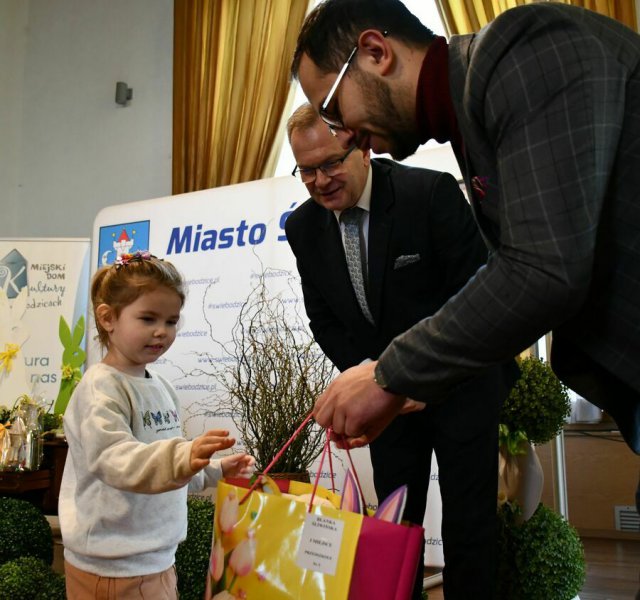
434, 109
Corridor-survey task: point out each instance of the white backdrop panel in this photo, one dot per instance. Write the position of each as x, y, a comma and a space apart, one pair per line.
221, 239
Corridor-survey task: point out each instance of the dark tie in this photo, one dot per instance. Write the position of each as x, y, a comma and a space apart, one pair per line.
356, 259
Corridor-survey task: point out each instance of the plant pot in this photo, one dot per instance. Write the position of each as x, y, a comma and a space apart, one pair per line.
303, 477
521, 479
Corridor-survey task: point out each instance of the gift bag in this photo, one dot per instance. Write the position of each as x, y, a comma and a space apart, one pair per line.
296, 543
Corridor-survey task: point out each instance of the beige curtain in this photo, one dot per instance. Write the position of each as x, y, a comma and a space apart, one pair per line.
466, 16
231, 87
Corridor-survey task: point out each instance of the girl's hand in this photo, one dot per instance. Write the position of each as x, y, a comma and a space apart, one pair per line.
207, 444
238, 465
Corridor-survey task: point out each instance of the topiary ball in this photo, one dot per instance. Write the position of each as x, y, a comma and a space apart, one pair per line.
192, 556
29, 578
538, 403
540, 558
24, 531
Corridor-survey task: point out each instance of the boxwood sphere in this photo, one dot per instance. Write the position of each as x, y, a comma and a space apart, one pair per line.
538, 403
192, 556
24, 531
540, 558
29, 578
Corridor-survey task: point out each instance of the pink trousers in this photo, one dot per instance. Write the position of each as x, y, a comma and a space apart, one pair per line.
82, 585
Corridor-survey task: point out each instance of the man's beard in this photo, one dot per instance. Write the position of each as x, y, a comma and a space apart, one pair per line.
400, 130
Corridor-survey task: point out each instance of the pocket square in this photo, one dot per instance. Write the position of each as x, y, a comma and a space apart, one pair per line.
13, 273
404, 260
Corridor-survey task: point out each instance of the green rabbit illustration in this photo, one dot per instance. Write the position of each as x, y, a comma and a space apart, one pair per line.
73, 358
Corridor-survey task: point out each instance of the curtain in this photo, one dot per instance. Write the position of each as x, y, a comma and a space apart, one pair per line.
231, 87
466, 16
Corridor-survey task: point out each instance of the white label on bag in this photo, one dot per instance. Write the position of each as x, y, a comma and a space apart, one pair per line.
320, 544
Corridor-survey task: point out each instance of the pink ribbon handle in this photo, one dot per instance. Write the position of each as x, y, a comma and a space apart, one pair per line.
326, 450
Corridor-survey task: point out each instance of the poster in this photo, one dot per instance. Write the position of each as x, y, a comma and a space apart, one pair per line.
41, 280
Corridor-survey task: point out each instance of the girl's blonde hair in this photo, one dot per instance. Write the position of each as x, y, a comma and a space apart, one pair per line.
123, 282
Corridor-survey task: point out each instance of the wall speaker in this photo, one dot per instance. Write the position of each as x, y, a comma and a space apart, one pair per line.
123, 93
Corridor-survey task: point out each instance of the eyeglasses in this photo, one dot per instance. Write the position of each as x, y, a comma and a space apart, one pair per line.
334, 121
329, 169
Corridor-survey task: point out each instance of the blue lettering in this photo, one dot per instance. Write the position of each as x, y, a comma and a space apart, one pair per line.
177, 243
226, 237
209, 240
188, 240
283, 236
241, 229
196, 238
262, 231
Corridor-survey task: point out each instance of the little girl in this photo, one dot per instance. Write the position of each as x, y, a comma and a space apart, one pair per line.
123, 498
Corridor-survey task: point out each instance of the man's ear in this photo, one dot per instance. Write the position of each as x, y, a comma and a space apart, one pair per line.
105, 317
375, 51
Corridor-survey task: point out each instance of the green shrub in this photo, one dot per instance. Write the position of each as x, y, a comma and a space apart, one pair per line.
51, 421
540, 558
538, 403
192, 556
24, 531
29, 578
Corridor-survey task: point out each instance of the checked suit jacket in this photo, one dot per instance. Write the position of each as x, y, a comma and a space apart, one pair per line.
547, 98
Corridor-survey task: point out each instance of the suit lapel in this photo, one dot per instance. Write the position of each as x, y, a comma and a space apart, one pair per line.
334, 267
380, 225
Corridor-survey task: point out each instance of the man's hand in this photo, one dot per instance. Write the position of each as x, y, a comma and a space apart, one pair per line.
412, 406
207, 444
356, 407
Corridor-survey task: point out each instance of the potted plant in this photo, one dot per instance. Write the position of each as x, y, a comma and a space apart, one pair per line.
540, 553
275, 374
533, 413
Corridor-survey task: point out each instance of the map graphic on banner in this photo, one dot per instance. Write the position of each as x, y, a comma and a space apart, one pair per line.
41, 280
222, 240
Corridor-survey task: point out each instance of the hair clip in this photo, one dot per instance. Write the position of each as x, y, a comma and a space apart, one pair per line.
125, 259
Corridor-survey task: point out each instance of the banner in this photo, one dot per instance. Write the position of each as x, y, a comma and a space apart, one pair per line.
223, 240
41, 280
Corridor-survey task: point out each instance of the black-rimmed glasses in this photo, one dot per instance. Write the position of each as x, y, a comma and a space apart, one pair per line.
329, 169
335, 121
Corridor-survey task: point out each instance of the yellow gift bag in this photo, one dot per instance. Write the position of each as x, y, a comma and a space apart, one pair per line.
288, 540
272, 547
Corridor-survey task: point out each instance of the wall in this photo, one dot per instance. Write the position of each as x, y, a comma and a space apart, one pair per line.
67, 149
601, 473
13, 17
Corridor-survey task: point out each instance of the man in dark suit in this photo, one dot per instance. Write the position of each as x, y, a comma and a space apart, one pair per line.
542, 108
421, 247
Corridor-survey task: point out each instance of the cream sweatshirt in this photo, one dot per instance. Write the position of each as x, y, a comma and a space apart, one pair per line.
122, 506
